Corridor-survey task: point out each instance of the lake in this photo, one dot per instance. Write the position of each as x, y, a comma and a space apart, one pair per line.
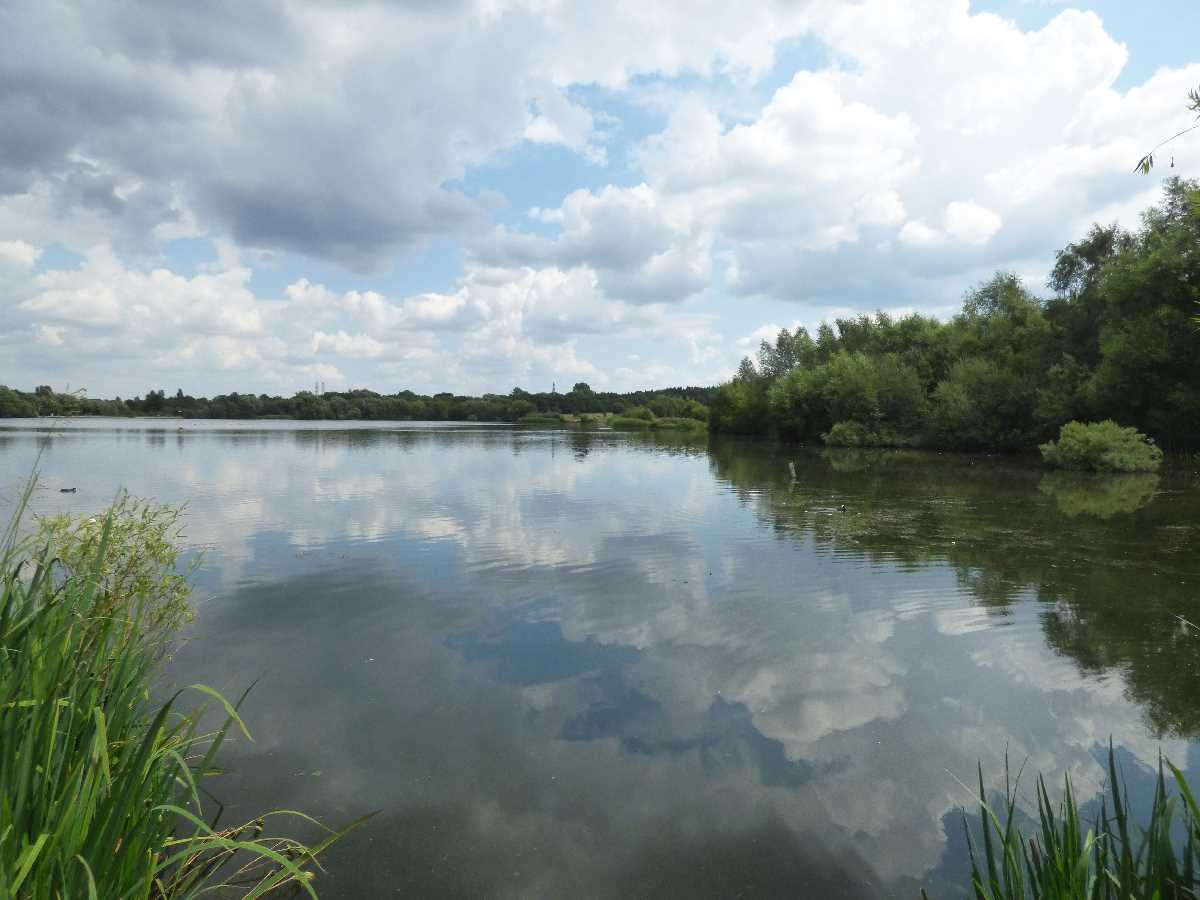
592, 664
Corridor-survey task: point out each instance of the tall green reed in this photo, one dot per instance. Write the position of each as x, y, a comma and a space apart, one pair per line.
99, 789
1068, 858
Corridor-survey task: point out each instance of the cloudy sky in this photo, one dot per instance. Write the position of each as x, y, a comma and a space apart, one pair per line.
469, 195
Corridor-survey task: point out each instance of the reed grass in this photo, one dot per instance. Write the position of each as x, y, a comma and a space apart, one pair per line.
99, 789
1068, 858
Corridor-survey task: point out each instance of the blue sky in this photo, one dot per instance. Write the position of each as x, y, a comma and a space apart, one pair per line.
472, 196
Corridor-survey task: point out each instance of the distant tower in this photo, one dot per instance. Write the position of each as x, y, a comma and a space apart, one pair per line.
554, 387
322, 387
316, 387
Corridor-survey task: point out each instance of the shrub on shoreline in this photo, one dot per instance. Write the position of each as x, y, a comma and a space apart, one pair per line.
856, 434
540, 418
1102, 447
639, 412
629, 422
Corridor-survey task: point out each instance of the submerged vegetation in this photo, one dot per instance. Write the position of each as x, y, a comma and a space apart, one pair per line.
99, 791
1069, 858
1117, 341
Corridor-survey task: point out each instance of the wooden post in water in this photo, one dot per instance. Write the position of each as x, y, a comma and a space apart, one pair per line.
792, 469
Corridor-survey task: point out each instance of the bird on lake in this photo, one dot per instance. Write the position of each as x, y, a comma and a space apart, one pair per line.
67, 490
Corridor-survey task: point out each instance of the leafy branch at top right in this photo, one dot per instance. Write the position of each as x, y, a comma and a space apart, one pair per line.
1146, 163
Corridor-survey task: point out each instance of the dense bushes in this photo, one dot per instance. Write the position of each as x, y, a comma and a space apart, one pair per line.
740, 407
640, 418
982, 405
855, 434
1117, 341
1102, 447
626, 423
537, 418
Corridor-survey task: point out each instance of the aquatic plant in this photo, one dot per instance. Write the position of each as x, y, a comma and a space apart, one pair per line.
99, 790
1070, 859
1102, 447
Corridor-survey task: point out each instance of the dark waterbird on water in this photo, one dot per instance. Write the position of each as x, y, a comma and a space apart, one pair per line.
67, 490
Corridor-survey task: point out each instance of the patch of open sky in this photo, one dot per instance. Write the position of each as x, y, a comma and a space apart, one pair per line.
644, 107
805, 53
432, 266
540, 175
56, 256
186, 256
627, 116
1157, 34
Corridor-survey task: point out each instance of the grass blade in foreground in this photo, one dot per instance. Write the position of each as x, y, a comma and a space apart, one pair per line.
98, 793
1110, 859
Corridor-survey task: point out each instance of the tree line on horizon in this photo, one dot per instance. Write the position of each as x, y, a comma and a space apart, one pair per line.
1117, 340
689, 402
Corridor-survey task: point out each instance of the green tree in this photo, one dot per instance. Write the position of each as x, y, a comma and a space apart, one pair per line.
15, 405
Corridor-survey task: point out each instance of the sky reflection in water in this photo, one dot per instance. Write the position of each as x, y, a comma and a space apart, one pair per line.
594, 664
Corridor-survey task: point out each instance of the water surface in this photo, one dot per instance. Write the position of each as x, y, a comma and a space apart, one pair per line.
601, 665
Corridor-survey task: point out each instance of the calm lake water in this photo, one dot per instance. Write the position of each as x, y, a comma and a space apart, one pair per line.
599, 665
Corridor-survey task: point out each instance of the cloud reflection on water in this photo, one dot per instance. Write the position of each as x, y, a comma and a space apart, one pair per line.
563, 663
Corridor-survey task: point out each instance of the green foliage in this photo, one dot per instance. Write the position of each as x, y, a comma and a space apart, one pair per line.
856, 434
15, 405
640, 418
669, 406
1070, 859
1146, 163
629, 422
678, 423
740, 407
1102, 447
539, 418
680, 402
879, 395
796, 402
1118, 341
98, 791
981, 405
639, 412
